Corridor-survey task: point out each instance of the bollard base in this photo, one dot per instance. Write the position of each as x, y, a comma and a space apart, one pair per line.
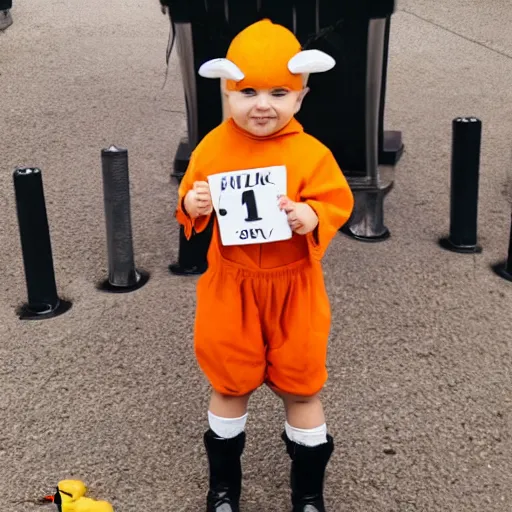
179, 270
393, 148
502, 270
193, 253
43, 311
107, 286
447, 244
366, 223
380, 237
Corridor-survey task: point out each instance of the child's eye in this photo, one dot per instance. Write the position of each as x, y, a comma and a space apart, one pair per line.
248, 91
279, 92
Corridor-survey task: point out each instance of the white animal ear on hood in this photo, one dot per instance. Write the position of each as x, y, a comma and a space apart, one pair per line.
221, 68
310, 61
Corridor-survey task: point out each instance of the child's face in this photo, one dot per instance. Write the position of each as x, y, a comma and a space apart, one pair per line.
262, 112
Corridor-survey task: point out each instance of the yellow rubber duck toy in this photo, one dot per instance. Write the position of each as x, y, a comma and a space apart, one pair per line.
70, 497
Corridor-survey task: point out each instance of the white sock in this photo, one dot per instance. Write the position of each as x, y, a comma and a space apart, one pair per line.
227, 428
307, 437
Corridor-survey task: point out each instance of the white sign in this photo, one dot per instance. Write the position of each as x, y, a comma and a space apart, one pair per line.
246, 203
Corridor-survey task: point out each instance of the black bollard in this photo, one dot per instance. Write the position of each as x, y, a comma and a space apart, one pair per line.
192, 254
43, 300
122, 275
465, 167
504, 269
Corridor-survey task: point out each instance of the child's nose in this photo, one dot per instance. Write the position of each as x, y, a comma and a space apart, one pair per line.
262, 102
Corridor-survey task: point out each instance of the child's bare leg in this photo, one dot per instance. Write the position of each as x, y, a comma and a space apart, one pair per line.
228, 406
305, 419
303, 412
227, 415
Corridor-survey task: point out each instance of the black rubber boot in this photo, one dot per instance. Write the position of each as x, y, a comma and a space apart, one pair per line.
307, 474
224, 458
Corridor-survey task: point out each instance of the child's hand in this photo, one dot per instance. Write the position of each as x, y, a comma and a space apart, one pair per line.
301, 217
198, 200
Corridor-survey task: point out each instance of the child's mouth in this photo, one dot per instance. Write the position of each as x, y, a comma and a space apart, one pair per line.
263, 120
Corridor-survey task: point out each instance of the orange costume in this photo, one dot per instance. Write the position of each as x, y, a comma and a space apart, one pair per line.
263, 314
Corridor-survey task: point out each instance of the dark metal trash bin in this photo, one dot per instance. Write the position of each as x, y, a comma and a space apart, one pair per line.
345, 107
349, 31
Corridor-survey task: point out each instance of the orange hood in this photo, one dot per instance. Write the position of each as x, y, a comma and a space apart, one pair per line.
264, 56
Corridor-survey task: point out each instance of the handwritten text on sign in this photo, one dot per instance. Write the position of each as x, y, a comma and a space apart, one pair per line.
246, 203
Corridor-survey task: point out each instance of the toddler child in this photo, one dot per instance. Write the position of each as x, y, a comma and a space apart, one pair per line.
263, 314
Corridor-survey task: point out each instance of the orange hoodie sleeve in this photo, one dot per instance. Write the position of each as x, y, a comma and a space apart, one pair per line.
328, 193
190, 225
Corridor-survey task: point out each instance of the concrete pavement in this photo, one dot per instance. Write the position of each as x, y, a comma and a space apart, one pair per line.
418, 399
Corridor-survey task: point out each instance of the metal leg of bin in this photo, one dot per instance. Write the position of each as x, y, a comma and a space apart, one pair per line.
192, 254
185, 47
391, 145
367, 221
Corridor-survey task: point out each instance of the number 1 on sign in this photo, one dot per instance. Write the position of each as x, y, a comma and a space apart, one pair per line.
249, 199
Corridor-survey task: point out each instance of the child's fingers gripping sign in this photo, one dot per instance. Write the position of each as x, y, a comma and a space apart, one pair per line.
286, 204
203, 197
301, 217
289, 207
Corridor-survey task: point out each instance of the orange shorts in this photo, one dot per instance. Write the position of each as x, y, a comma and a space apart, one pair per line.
263, 326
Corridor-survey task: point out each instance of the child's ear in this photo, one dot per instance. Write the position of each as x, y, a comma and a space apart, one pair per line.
226, 113
300, 98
